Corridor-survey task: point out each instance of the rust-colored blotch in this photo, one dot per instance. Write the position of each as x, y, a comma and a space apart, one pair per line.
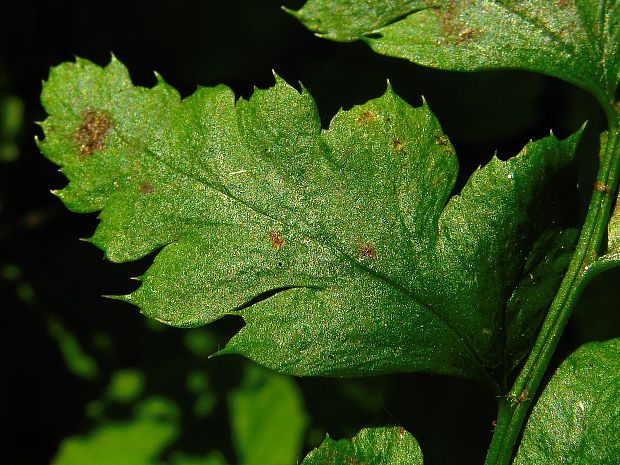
277, 240
599, 186
367, 251
145, 188
90, 135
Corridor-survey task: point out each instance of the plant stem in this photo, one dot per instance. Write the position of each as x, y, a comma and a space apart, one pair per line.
514, 408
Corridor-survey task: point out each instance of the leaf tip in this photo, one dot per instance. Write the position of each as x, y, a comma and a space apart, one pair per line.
122, 298
81, 61
159, 78
225, 351
276, 76
293, 13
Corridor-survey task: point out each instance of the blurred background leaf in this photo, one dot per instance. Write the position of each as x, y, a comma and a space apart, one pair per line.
266, 415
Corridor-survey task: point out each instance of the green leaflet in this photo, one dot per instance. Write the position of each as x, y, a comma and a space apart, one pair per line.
372, 446
575, 40
336, 246
577, 418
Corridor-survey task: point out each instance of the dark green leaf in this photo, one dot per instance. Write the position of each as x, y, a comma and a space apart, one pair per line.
575, 40
338, 247
372, 446
577, 418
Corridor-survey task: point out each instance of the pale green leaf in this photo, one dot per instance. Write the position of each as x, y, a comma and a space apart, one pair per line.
577, 418
138, 441
371, 446
575, 40
267, 417
340, 248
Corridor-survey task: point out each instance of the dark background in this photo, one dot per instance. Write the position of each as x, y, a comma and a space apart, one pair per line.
48, 275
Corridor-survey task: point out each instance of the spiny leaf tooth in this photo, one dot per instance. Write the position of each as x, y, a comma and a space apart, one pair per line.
38, 142
227, 350
291, 12
60, 193
122, 298
79, 61
159, 77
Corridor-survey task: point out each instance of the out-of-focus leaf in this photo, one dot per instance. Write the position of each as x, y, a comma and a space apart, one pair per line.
11, 120
78, 361
268, 419
577, 418
135, 442
340, 248
125, 386
372, 446
575, 40
214, 458
200, 342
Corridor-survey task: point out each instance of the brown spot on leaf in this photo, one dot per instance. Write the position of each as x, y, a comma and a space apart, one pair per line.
367, 251
398, 145
145, 188
599, 186
368, 115
277, 240
90, 135
466, 33
452, 24
441, 140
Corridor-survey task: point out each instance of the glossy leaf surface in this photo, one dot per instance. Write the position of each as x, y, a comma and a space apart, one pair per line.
577, 418
575, 40
340, 248
371, 446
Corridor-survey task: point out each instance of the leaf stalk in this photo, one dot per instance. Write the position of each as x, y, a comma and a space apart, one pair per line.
513, 409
